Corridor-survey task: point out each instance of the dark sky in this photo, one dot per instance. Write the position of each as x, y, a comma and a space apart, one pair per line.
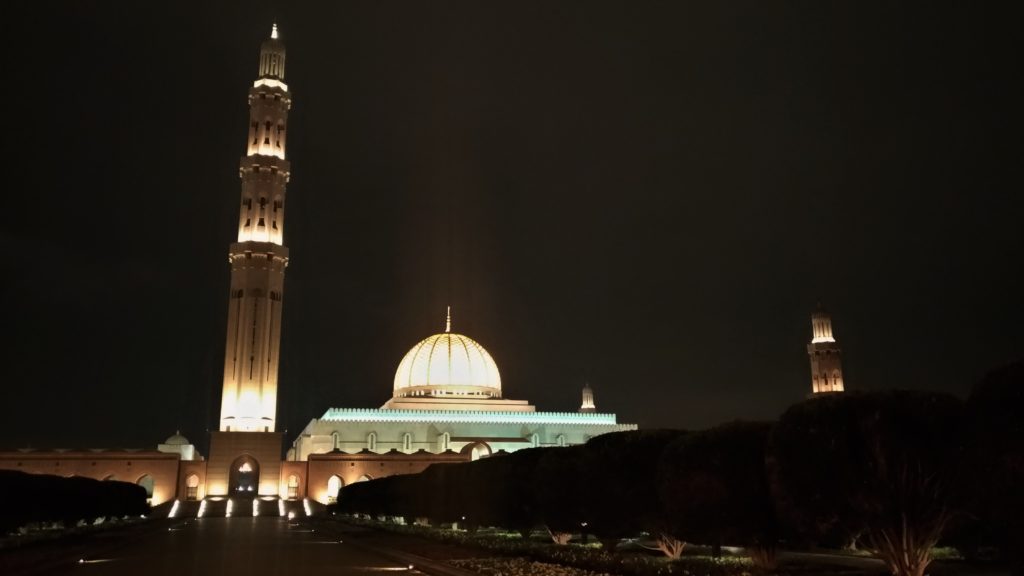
649, 196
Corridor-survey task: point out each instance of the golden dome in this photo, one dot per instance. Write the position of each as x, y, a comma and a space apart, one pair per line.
448, 365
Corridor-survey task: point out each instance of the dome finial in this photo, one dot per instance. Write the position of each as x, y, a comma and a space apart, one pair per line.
448, 321
273, 31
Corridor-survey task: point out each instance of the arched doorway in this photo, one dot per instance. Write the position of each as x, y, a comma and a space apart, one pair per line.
334, 486
477, 450
364, 478
244, 476
147, 482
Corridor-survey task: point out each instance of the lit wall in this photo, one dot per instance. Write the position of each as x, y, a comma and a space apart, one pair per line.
102, 465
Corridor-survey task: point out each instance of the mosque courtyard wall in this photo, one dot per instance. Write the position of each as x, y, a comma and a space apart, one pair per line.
156, 471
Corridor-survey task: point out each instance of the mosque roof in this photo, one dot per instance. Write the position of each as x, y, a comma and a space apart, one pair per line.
448, 365
177, 440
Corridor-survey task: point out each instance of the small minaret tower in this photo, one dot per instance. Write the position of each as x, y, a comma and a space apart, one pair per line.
259, 257
588, 399
826, 362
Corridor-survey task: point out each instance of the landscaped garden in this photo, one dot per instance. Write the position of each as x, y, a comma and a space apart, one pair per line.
844, 477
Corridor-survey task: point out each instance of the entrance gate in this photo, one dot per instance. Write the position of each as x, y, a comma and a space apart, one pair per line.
245, 476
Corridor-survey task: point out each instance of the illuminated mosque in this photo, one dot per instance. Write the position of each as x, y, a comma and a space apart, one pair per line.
446, 404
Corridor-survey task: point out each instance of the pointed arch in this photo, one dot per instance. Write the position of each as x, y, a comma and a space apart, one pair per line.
334, 486
192, 487
147, 482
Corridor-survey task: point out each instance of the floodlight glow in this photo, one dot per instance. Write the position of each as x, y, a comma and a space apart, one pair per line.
174, 509
270, 83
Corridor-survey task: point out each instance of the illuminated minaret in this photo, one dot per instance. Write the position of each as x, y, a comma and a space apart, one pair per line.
587, 405
258, 259
826, 363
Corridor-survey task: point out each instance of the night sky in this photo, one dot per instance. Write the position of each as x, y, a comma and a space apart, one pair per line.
651, 197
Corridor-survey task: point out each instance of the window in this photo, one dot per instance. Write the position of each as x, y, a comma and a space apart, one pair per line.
192, 487
371, 441
293, 486
407, 442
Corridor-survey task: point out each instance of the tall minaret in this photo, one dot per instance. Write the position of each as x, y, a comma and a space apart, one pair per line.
826, 363
258, 259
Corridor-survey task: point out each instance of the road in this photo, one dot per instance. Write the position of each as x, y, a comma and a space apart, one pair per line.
227, 546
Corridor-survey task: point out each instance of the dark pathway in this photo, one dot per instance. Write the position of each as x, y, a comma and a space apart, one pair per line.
226, 546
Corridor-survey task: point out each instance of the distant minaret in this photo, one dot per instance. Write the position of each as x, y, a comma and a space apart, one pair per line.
258, 259
588, 400
826, 363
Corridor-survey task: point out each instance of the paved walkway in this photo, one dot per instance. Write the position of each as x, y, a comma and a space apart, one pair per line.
227, 546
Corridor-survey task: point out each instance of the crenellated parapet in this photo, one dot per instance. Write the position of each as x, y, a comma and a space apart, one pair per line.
464, 416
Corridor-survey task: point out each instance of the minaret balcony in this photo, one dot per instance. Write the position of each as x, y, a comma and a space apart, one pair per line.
258, 163
252, 249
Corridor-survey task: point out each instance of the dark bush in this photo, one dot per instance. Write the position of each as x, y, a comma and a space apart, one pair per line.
27, 498
880, 464
714, 489
995, 487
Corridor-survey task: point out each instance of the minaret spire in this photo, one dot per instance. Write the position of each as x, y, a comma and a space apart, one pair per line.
587, 405
826, 363
448, 321
259, 257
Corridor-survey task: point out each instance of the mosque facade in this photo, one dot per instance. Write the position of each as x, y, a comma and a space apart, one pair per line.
446, 405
